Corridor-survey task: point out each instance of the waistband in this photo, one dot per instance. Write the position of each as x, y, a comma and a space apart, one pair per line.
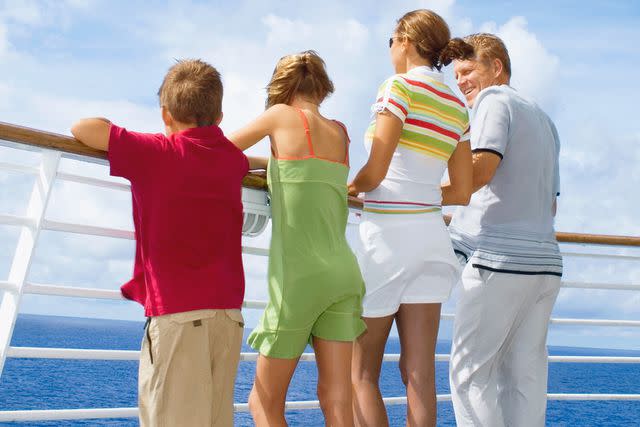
398, 207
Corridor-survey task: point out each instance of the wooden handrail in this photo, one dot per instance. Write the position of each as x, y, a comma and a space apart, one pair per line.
67, 144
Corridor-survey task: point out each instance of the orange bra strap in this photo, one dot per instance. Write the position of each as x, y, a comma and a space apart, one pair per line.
344, 128
305, 123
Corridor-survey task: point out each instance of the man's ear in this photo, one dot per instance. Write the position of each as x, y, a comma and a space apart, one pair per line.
219, 118
167, 118
497, 68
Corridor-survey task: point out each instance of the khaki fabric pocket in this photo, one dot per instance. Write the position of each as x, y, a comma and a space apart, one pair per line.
190, 316
236, 316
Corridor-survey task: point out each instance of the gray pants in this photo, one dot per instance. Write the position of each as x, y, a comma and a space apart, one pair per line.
498, 367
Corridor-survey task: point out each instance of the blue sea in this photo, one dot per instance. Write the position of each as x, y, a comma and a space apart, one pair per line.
66, 384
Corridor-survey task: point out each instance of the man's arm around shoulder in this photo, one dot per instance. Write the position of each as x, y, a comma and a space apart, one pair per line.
93, 132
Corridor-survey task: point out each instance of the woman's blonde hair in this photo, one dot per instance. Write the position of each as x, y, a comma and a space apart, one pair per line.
432, 38
302, 74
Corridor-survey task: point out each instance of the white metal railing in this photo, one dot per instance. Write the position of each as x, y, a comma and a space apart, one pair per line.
17, 285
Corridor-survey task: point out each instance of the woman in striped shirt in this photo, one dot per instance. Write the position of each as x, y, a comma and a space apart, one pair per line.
420, 129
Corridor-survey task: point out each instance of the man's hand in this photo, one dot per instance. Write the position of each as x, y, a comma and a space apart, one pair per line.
93, 132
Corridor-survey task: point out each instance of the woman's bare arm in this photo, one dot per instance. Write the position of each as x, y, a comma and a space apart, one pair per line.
459, 188
385, 141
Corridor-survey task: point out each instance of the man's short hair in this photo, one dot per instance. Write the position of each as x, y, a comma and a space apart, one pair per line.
192, 92
488, 47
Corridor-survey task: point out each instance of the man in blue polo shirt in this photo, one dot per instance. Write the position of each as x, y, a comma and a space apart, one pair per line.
498, 368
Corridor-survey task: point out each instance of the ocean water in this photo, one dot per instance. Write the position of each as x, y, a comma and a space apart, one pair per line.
67, 384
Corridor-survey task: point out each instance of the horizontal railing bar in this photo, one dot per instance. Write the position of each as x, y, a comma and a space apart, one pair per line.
91, 230
14, 167
110, 294
8, 286
84, 292
67, 144
68, 414
97, 182
254, 304
72, 291
597, 239
71, 353
604, 286
592, 396
600, 256
87, 229
17, 220
594, 359
251, 250
595, 322
48, 140
98, 354
103, 413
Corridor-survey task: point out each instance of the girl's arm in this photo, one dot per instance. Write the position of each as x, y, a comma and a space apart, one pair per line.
460, 186
258, 129
257, 162
385, 141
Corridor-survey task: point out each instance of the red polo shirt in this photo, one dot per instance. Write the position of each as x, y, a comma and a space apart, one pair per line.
187, 214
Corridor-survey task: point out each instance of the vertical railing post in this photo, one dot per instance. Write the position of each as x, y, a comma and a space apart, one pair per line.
25, 248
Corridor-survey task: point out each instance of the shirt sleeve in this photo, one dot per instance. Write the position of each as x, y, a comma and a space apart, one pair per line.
131, 153
466, 135
491, 126
556, 166
394, 96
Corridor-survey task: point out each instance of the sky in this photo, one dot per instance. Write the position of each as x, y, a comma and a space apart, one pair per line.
67, 59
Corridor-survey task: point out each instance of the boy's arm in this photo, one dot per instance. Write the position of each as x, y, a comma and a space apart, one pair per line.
93, 132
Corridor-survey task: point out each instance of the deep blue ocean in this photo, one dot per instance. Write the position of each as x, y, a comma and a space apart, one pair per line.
68, 384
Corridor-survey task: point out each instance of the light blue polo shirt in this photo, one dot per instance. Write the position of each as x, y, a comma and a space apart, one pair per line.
508, 224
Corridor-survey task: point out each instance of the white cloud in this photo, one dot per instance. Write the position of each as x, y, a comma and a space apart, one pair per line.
283, 31
534, 68
354, 34
4, 39
23, 11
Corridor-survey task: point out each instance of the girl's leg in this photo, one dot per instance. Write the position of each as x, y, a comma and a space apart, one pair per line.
267, 397
334, 381
418, 330
368, 407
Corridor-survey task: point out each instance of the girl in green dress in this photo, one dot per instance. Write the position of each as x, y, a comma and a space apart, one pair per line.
315, 285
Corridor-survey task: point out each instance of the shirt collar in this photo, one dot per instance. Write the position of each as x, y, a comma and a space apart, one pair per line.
426, 71
201, 132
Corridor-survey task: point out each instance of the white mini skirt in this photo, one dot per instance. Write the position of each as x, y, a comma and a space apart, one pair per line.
405, 259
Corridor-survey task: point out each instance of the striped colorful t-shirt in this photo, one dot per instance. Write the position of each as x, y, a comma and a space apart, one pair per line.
434, 121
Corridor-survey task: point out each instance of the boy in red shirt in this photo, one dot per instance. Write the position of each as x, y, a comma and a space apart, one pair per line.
186, 187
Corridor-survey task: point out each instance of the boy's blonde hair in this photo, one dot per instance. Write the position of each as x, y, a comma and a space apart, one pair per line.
192, 92
299, 74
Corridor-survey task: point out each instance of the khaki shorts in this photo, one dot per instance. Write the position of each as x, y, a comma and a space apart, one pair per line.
188, 366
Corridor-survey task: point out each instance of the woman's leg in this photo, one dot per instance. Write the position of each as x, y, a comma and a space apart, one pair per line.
418, 330
267, 397
368, 407
334, 381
